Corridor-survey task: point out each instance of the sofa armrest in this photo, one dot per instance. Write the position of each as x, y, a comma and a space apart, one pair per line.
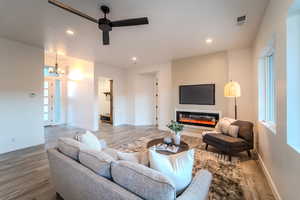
199, 187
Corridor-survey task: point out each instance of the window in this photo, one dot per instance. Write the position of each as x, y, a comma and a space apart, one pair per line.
293, 77
267, 103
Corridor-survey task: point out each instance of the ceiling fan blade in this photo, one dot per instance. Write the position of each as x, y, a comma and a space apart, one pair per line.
105, 38
130, 22
72, 10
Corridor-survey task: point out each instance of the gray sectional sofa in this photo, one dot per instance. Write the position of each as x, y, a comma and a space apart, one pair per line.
81, 174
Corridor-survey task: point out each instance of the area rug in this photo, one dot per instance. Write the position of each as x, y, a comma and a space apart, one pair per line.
227, 181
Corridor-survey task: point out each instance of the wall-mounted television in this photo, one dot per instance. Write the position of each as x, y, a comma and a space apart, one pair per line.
203, 94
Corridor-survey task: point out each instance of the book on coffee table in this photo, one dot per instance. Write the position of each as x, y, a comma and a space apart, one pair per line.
165, 147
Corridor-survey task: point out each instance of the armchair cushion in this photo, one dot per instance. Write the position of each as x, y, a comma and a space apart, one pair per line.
225, 140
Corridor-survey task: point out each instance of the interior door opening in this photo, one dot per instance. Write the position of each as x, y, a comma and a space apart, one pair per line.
105, 94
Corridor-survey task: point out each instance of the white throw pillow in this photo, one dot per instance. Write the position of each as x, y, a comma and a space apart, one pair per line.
178, 168
233, 131
135, 157
91, 141
223, 125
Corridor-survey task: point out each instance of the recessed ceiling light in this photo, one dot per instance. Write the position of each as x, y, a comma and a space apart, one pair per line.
209, 40
70, 32
134, 58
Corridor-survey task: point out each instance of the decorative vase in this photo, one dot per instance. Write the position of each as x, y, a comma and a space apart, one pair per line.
177, 137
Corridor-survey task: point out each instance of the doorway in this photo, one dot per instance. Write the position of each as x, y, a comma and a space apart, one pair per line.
105, 94
52, 101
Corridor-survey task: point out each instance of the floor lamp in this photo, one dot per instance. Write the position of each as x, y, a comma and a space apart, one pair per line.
233, 90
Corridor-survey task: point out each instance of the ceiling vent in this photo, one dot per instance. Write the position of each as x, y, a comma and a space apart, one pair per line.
241, 20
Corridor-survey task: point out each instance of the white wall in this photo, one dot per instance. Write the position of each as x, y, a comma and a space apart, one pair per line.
163, 76
21, 73
144, 99
119, 76
281, 160
81, 94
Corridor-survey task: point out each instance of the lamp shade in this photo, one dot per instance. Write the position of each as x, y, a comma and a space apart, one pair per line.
232, 89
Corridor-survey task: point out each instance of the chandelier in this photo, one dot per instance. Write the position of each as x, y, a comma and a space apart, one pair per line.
56, 70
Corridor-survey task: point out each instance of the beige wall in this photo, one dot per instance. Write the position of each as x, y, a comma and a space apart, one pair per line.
218, 68
21, 115
240, 69
204, 69
281, 161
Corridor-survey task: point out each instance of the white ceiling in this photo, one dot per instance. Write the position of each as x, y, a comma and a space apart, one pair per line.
177, 28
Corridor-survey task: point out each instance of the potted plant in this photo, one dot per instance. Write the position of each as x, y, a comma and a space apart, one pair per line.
176, 128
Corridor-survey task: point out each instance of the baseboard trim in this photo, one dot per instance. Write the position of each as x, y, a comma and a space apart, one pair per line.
269, 178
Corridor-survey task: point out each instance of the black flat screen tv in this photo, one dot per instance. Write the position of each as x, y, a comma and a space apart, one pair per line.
203, 94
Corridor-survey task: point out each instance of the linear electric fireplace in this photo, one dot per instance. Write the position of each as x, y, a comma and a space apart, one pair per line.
198, 118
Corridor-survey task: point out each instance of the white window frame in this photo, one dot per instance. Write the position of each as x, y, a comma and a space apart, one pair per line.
267, 91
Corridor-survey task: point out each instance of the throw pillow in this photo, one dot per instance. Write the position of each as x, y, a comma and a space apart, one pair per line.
233, 131
90, 140
135, 157
223, 125
177, 168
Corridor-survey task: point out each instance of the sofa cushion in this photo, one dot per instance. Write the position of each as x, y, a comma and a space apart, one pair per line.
112, 152
135, 157
97, 161
69, 147
225, 140
143, 181
177, 167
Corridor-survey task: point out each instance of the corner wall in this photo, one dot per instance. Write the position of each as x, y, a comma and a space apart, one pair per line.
21, 115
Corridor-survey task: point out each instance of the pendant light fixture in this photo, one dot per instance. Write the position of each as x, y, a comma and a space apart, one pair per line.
56, 70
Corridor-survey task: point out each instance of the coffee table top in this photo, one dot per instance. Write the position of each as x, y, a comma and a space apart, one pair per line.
182, 147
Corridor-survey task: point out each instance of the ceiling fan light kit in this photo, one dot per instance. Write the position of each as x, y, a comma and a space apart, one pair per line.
104, 24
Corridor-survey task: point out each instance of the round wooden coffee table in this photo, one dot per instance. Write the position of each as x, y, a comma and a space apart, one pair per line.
182, 147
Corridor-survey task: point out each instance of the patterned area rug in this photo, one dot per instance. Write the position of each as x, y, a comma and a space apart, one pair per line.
227, 176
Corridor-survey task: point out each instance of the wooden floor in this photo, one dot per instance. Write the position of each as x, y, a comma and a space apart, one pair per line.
24, 174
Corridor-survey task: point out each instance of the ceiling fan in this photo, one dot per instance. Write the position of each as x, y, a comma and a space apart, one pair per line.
104, 24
